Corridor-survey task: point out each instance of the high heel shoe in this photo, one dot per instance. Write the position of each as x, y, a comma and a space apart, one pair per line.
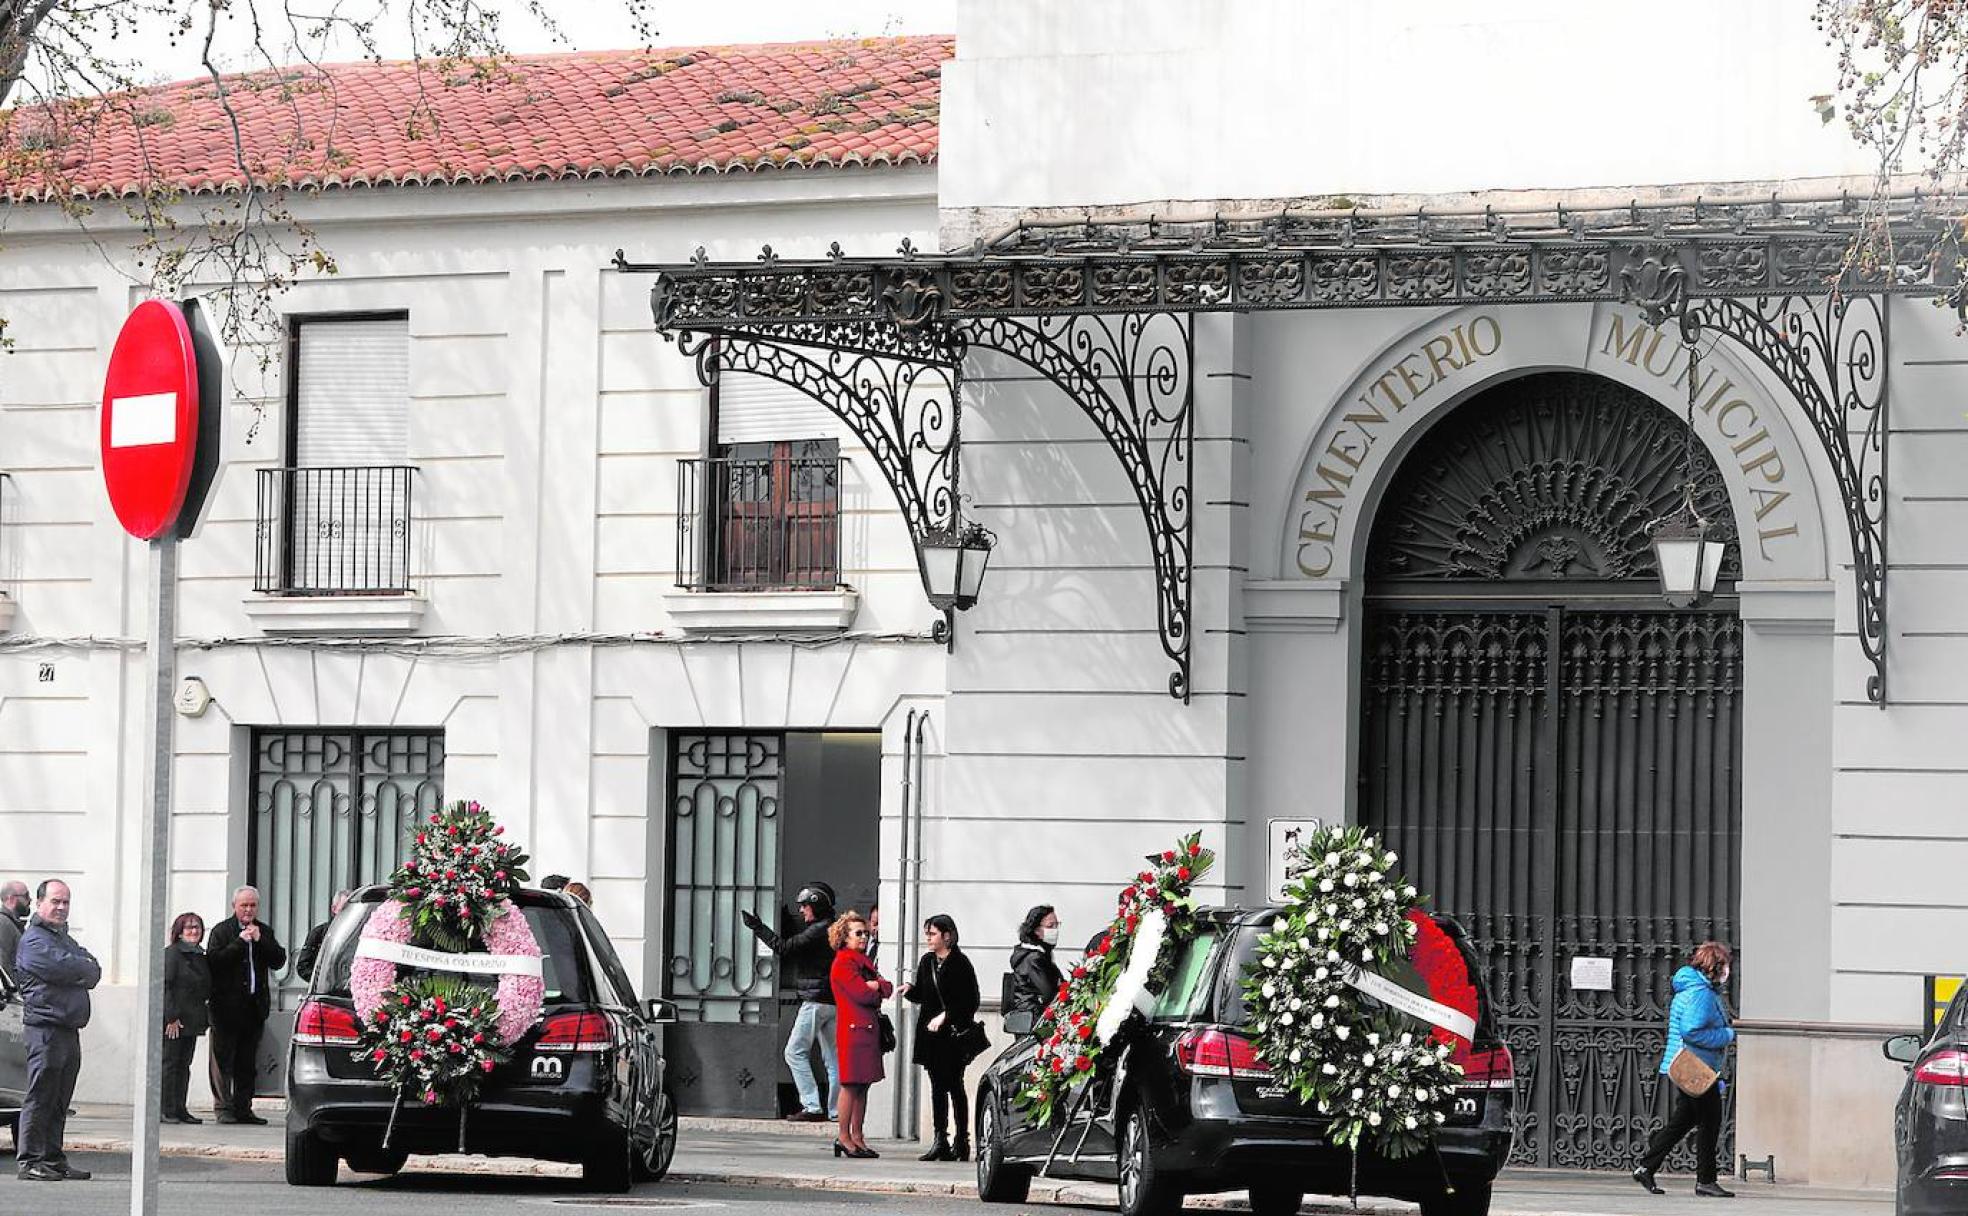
960, 1151
938, 1151
841, 1150
863, 1153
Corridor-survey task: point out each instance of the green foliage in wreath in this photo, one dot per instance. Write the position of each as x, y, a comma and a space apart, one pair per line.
1069, 1050
435, 1036
458, 875
1362, 1064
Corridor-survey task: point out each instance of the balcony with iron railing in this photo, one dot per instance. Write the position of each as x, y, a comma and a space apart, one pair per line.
338, 539
759, 544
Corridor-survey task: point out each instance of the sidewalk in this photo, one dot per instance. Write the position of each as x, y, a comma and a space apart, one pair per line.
747, 1153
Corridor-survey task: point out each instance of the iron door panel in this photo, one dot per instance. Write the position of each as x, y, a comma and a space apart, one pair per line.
1567, 784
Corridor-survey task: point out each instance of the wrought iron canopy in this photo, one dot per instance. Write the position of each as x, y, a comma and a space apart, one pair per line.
1104, 309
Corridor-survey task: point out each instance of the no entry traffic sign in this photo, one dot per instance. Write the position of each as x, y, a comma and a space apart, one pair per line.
150, 419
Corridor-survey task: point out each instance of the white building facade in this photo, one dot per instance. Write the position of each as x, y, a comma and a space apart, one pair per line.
1370, 623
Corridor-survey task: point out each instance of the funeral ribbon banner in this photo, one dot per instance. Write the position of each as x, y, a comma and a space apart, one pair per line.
1391, 994
403, 954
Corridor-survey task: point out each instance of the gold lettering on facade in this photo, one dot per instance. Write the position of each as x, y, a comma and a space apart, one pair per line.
1403, 382
1638, 345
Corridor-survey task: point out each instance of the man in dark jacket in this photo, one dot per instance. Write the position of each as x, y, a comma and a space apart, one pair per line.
243, 954
806, 955
311, 948
15, 904
55, 976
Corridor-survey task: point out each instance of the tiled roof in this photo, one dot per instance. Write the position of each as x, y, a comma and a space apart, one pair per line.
533, 118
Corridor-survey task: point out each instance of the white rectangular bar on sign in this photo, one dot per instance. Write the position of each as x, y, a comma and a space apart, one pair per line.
136, 422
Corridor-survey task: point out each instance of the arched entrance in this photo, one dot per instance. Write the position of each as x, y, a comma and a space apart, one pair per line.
1553, 750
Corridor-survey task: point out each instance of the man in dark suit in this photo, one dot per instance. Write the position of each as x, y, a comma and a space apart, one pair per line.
311, 948
243, 954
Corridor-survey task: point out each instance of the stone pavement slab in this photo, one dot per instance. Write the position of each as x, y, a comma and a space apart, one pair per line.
799, 1156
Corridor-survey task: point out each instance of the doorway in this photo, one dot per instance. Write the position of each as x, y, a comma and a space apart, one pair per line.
753, 817
1555, 754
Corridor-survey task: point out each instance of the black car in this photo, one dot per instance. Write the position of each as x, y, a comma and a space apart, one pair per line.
1181, 1104
586, 1084
13, 1051
1930, 1125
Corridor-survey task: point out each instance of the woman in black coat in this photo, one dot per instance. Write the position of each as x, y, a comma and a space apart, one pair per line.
187, 986
1034, 979
946, 989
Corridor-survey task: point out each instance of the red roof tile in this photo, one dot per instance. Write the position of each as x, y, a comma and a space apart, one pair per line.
538, 117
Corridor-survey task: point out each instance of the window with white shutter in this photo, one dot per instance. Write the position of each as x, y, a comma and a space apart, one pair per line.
348, 494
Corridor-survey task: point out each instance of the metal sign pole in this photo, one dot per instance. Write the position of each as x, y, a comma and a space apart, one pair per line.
156, 877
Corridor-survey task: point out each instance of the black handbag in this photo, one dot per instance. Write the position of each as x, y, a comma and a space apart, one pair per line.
887, 1034
968, 1041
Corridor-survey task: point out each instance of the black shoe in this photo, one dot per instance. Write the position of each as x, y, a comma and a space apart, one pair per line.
1645, 1177
226, 1116
939, 1150
1712, 1190
961, 1149
809, 1116
70, 1174
862, 1153
840, 1150
247, 1116
41, 1173
185, 1116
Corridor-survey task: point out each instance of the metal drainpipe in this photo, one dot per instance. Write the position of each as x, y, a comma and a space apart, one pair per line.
915, 946
902, 909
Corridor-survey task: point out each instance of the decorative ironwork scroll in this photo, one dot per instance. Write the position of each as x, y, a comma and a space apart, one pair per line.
1830, 352
903, 410
1134, 376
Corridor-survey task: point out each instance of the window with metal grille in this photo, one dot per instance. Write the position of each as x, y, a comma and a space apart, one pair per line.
332, 811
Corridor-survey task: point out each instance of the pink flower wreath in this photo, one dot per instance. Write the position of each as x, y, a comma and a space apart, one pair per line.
521, 997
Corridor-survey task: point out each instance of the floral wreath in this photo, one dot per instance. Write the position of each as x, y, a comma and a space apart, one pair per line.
1124, 972
449, 911
1349, 919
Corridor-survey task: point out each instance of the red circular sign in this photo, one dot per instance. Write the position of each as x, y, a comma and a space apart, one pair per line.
150, 419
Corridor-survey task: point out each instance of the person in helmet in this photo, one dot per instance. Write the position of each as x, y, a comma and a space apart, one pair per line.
807, 958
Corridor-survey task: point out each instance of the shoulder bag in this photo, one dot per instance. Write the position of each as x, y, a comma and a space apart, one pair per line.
967, 1040
1690, 1073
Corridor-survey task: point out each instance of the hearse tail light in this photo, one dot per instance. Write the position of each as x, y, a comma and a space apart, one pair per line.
1210, 1052
575, 1032
1490, 1069
319, 1024
1943, 1068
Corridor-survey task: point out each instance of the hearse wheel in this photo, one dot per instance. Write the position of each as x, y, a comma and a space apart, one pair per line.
656, 1140
1145, 1190
996, 1181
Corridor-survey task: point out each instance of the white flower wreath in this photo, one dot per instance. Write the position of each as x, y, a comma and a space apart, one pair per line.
1345, 919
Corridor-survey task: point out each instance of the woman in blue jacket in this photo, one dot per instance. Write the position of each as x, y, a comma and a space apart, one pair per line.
1698, 1021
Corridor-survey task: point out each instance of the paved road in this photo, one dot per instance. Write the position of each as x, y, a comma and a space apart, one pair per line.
195, 1186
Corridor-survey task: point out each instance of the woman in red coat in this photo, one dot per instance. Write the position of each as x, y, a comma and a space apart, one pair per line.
858, 993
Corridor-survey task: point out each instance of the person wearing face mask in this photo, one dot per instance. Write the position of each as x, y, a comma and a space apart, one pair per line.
1034, 979
1698, 1021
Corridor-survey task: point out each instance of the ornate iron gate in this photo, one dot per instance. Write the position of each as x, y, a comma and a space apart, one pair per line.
1556, 755
725, 827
